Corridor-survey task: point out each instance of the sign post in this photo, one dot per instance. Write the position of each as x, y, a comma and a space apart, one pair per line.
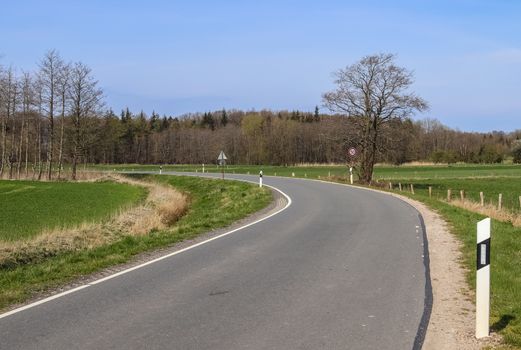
351, 153
260, 178
222, 161
160, 169
483, 279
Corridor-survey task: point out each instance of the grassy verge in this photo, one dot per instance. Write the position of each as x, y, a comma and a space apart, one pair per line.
214, 204
30, 207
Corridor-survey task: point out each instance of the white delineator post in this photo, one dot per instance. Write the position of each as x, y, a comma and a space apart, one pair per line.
483, 279
160, 169
260, 178
351, 175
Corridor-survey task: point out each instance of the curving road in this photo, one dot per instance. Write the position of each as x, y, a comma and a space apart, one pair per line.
340, 268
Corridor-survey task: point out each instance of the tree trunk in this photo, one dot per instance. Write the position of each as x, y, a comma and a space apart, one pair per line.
40, 165
20, 146
60, 154
50, 148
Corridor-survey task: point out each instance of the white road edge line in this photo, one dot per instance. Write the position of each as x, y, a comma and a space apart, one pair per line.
70, 291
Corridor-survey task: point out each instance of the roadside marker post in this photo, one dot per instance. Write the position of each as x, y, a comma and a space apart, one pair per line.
260, 178
351, 156
160, 169
483, 279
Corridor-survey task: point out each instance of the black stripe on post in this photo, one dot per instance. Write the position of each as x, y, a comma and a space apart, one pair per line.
483, 254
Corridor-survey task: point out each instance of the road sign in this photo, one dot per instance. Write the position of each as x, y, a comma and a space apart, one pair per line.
351, 152
222, 161
222, 156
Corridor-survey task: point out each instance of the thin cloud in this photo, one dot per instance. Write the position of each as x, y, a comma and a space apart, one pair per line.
510, 55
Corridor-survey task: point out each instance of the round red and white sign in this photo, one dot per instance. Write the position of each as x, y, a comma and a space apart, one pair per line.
351, 151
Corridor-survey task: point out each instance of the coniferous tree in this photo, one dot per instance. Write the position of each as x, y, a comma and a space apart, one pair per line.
224, 118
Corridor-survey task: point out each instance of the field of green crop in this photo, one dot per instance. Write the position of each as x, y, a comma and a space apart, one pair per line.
508, 187
28, 207
314, 171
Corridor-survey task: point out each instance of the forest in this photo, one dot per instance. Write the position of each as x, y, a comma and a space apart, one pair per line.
56, 116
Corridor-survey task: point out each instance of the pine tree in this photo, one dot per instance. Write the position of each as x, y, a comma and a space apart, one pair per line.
316, 115
224, 118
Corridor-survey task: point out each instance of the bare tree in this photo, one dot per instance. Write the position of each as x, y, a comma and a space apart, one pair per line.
27, 100
373, 91
7, 90
50, 70
3, 101
63, 87
85, 99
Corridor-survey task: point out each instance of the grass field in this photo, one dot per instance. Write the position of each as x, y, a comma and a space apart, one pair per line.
28, 207
314, 171
213, 204
509, 187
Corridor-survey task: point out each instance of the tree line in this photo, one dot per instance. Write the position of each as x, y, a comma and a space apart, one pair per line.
45, 117
56, 116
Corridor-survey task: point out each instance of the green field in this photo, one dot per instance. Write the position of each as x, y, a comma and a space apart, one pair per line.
509, 187
213, 204
28, 207
382, 172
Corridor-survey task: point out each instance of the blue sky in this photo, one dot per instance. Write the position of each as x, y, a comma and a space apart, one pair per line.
176, 57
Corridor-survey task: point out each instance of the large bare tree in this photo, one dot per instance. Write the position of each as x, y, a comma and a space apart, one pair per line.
63, 88
85, 100
373, 91
50, 73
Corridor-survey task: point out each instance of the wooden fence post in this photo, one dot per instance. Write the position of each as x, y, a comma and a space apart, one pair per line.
520, 202
499, 202
391, 187
482, 199
448, 195
400, 185
430, 191
412, 188
462, 195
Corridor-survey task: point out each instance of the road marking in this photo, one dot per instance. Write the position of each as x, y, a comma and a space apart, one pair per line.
70, 291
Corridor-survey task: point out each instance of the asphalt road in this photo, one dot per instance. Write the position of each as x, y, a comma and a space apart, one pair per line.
340, 268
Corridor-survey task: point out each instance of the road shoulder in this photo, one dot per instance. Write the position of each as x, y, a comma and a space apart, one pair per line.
451, 324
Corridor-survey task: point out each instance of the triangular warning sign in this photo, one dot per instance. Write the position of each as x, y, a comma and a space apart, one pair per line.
222, 156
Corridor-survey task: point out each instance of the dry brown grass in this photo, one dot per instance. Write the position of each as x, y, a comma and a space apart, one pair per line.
489, 210
162, 207
81, 175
